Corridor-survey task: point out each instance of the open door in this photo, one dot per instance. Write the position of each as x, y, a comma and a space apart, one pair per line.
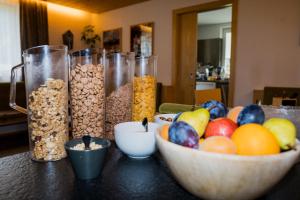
184, 55
186, 36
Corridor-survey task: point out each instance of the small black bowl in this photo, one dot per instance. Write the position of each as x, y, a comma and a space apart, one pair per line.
87, 164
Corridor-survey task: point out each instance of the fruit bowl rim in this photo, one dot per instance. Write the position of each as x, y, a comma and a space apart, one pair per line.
231, 156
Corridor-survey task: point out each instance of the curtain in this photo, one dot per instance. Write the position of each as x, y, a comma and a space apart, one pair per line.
10, 48
33, 23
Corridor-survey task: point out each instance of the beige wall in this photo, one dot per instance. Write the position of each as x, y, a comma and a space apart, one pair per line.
268, 46
61, 19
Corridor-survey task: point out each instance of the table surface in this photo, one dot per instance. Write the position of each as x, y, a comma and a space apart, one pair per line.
121, 178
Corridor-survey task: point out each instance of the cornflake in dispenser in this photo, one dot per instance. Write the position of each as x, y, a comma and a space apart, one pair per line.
144, 89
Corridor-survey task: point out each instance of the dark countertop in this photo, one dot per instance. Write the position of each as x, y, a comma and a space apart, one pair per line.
122, 178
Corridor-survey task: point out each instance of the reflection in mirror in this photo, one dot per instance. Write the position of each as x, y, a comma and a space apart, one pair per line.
214, 41
214, 50
141, 39
112, 40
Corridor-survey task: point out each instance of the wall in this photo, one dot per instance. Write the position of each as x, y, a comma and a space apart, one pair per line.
211, 31
61, 19
157, 11
268, 46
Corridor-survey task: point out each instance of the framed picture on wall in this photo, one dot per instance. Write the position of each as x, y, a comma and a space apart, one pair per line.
142, 39
112, 40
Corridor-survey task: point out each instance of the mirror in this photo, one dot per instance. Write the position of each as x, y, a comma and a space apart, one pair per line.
112, 40
141, 39
214, 50
214, 43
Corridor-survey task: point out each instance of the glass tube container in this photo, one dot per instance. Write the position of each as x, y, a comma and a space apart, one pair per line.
87, 92
119, 78
144, 88
46, 81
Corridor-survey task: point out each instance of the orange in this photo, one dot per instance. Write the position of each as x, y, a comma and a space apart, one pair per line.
218, 144
234, 113
164, 133
254, 139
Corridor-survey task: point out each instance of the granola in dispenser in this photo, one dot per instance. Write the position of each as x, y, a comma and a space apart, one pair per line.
48, 120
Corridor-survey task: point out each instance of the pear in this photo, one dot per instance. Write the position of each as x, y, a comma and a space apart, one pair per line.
197, 119
284, 131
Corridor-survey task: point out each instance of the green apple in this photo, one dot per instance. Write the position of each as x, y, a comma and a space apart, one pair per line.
197, 119
284, 130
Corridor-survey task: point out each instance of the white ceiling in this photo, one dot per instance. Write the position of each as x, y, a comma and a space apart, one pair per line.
215, 16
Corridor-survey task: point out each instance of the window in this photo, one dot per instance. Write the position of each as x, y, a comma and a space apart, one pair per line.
10, 45
226, 35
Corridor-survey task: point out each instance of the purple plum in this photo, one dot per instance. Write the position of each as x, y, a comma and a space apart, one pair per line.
251, 114
215, 108
183, 134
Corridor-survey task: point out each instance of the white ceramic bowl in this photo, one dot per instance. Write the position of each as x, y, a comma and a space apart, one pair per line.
162, 122
132, 139
219, 176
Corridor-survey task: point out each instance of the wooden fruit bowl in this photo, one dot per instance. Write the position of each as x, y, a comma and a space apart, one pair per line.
221, 176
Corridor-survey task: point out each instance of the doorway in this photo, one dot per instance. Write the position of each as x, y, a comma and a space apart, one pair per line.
214, 51
188, 56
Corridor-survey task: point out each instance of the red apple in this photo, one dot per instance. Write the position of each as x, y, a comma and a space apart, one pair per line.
220, 127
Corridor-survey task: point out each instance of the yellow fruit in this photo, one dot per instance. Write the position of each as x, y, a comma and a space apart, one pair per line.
254, 139
201, 140
165, 132
218, 144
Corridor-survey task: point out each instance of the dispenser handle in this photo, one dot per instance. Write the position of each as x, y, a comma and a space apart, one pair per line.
12, 96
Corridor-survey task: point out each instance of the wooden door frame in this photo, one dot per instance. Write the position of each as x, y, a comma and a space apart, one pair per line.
201, 8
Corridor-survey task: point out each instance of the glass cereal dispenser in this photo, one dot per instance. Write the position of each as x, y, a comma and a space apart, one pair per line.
144, 88
119, 76
46, 81
87, 92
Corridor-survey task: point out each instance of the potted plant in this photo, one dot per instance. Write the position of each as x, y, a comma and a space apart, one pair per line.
89, 37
